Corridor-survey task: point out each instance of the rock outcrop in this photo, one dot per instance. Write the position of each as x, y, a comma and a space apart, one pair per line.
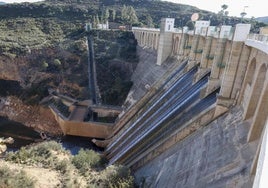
3, 142
37, 117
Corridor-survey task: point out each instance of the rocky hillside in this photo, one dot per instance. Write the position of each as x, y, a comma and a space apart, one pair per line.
42, 54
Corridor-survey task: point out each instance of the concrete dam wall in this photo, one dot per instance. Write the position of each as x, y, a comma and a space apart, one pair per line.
203, 122
217, 155
146, 74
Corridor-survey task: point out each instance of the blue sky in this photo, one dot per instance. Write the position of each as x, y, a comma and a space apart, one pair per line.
255, 8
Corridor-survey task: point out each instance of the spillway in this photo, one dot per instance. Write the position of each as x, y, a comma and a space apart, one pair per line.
175, 103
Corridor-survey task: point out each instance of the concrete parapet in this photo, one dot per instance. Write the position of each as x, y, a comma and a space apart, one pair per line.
148, 37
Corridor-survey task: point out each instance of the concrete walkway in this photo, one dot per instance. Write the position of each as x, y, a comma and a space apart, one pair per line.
79, 113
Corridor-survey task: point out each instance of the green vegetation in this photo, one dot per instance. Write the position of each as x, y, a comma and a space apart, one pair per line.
220, 65
128, 15
198, 51
210, 57
117, 176
86, 169
51, 52
223, 13
138, 11
20, 35
15, 179
116, 60
87, 159
38, 155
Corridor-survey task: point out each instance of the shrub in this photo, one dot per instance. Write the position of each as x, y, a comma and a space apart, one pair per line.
44, 65
51, 145
220, 65
57, 62
117, 176
15, 180
40, 154
86, 159
62, 166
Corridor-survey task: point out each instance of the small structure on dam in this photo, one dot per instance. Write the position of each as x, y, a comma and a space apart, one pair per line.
82, 118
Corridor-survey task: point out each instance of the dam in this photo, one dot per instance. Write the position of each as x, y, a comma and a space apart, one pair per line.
196, 114
202, 124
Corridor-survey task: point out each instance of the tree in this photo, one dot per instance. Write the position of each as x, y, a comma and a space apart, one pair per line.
94, 24
128, 15
224, 7
106, 15
113, 14
190, 25
149, 21
44, 65
243, 14
97, 19
223, 13
124, 14
132, 15
57, 62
